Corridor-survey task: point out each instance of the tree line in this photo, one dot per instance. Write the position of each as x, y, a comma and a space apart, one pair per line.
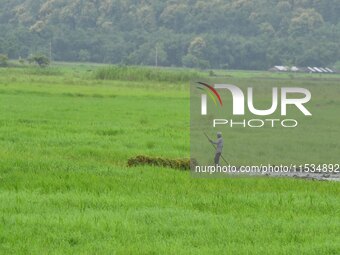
238, 34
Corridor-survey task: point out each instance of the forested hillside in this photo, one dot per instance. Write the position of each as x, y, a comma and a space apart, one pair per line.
239, 34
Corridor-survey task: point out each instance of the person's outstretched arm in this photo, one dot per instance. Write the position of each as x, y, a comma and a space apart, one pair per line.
213, 142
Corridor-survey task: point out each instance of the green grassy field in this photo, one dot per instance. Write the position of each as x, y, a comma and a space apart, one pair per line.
65, 138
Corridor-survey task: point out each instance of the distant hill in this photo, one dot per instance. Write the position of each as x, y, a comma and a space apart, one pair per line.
239, 34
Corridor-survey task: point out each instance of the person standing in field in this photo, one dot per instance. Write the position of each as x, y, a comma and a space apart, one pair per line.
219, 147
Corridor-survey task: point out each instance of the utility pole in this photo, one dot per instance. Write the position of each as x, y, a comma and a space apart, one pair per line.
51, 51
156, 57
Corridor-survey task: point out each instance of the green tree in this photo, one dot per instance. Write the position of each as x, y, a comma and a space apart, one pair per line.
39, 59
84, 55
196, 52
305, 21
3, 60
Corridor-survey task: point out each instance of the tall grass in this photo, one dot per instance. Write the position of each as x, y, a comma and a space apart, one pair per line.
44, 71
65, 189
145, 74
